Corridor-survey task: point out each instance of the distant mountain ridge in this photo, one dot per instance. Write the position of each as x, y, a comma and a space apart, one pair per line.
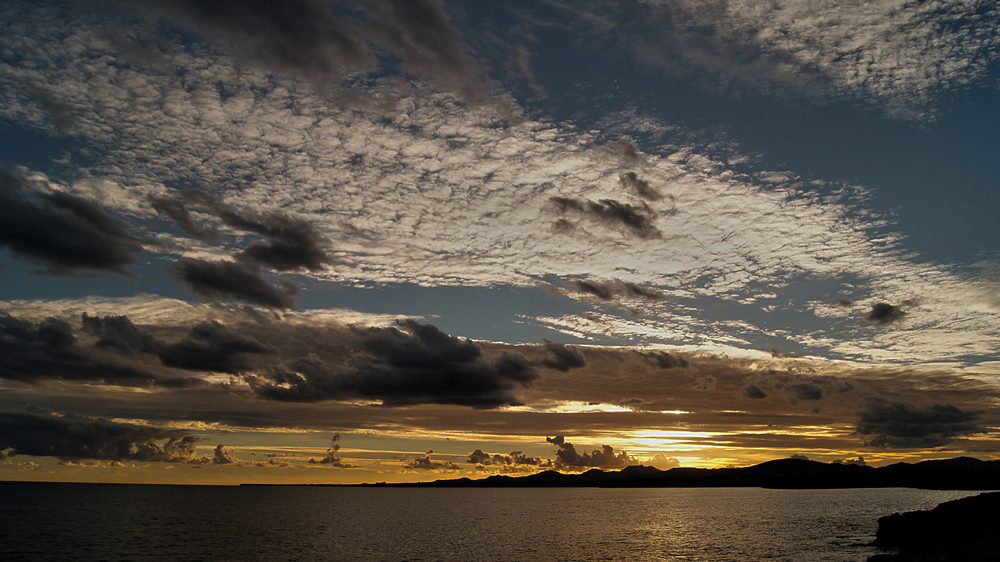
962, 473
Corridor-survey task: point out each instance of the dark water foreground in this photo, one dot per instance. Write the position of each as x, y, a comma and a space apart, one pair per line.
133, 522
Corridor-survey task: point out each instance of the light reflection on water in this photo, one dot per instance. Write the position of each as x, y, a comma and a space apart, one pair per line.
90, 521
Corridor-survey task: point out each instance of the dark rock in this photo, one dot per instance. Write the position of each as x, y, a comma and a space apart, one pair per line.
964, 529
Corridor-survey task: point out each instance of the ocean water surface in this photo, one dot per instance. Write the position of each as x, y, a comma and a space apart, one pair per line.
42, 521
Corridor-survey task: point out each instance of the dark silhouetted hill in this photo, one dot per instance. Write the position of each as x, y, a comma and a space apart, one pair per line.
961, 473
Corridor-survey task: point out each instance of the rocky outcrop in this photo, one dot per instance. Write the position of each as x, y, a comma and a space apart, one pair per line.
964, 529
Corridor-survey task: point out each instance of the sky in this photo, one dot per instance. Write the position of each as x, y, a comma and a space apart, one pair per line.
403, 240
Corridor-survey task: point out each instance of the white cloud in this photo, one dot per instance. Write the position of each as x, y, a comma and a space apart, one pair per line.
438, 192
897, 56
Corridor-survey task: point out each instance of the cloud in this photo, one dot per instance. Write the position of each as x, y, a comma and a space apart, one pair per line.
663, 462
639, 221
588, 400
212, 346
36, 352
706, 383
226, 280
49, 349
895, 424
605, 458
513, 461
625, 153
55, 111
479, 457
80, 437
609, 289
860, 461
63, 232
807, 390
301, 36
417, 364
562, 357
425, 463
872, 54
120, 334
753, 391
289, 244
664, 360
331, 457
631, 182
309, 38
884, 313
446, 197
222, 456
419, 32
435, 189
176, 211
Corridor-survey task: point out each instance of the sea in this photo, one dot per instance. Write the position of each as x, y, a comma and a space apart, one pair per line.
49, 521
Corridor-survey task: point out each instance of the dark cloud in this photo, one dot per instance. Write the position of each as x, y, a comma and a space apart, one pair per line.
49, 350
665, 360
779, 354
891, 423
54, 110
807, 391
417, 364
177, 212
513, 461
331, 457
841, 387
640, 221
479, 457
753, 391
568, 458
120, 334
425, 463
62, 232
625, 152
706, 383
297, 36
226, 280
633, 184
419, 32
80, 437
312, 38
563, 226
288, 245
860, 461
562, 357
842, 302
608, 290
884, 313
212, 346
